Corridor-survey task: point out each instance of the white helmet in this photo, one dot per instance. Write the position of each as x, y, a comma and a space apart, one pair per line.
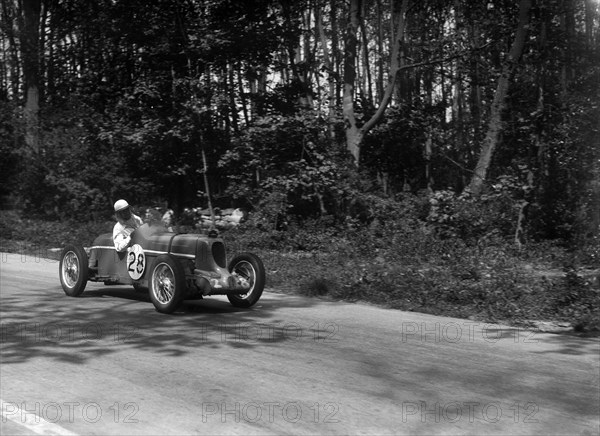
120, 205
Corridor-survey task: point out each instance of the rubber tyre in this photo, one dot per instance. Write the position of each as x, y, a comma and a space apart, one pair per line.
167, 284
252, 269
73, 270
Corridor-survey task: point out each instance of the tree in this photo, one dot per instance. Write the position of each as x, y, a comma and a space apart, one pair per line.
495, 123
140, 82
30, 50
354, 133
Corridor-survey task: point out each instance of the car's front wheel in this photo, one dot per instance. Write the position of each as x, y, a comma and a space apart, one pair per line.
167, 284
73, 270
248, 267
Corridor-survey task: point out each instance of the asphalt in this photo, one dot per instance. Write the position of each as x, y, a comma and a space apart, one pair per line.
108, 364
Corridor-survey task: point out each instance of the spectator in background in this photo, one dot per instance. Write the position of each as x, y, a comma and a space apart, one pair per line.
167, 219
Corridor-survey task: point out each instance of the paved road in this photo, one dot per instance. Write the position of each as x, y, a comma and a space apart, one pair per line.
107, 363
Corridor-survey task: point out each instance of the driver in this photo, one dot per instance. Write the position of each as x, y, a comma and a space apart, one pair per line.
126, 223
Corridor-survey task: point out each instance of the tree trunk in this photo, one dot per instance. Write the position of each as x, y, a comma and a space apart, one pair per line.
457, 91
43, 23
352, 131
31, 62
567, 27
589, 26
495, 124
379, 86
242, 95
298, 66
475, 87
366, 64
355, 134
330, 72
335, 52
231, 91
9, 15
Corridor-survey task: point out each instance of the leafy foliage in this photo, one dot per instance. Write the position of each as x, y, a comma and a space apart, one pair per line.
475, 220
134, 92
417, 271
9, 148
286, 161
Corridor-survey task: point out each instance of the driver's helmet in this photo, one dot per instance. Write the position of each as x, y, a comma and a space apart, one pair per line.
121, 205
122, 210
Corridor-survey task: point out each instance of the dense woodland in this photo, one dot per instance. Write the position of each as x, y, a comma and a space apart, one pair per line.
486, 113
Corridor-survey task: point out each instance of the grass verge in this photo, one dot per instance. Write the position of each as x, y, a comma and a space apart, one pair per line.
407, 270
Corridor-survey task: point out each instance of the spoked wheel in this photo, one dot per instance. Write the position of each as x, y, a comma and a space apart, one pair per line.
73, 270
167, 284
249, 268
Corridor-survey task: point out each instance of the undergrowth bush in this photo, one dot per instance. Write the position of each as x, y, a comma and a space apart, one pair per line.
473, 220
30, 235
399, 261
406, 264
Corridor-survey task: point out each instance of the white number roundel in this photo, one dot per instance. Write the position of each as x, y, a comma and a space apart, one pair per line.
136, 261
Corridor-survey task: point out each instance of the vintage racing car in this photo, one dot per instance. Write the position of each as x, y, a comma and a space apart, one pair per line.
172, 266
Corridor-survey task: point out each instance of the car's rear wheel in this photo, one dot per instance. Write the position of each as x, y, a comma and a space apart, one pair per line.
73, 270
250, 268
167, 284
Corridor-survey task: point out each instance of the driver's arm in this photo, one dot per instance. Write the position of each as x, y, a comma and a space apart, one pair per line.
122, 242
121, 237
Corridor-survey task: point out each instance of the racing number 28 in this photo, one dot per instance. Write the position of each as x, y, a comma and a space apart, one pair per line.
137, 260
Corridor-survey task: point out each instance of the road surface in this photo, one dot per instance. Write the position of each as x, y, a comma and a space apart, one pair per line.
107, 363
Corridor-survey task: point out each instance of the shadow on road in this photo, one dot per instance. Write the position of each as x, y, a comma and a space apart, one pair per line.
106, 320
573, 344
568, 342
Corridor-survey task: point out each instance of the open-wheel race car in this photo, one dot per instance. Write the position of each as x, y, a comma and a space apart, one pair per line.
173, 267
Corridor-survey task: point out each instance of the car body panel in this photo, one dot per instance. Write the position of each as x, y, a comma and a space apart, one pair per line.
202, 257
